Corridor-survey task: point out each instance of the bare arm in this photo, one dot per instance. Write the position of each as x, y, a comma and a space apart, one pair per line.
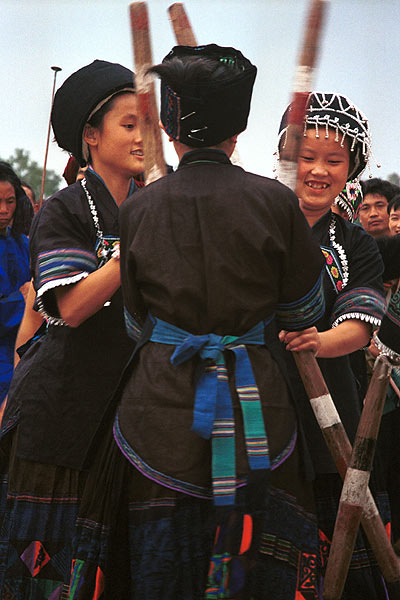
30, 323
348, 336
79, 301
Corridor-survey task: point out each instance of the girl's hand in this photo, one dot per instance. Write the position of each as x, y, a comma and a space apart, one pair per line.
308, 339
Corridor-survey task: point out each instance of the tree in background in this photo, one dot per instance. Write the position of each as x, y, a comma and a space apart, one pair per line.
28, 170
394, 178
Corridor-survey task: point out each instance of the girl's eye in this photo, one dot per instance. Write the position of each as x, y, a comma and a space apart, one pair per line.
129, 125
335, 162
308, 158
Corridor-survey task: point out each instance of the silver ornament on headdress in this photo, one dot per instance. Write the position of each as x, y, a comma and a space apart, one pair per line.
334, 111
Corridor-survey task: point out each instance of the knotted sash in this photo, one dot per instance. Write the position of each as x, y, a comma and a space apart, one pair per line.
213, 408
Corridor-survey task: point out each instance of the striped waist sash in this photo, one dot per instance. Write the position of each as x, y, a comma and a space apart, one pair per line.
213, 410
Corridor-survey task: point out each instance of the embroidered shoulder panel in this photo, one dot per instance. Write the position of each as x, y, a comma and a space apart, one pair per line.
333, 268
304, 312
105, 248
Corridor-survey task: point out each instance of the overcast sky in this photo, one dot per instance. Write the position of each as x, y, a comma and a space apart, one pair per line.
360, 58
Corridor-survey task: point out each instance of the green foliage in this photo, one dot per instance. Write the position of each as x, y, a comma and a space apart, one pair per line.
394, 178
28, 170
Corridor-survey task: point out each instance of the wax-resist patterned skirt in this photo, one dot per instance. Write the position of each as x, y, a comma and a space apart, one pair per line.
38, 510
138, 540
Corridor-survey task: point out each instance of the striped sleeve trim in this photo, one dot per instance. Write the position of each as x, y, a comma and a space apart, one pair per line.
64, 263
61, 267
364, 304
304, 312
133, 328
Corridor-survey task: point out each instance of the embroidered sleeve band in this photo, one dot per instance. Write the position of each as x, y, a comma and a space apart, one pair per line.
364, 304
61, 267
304, 312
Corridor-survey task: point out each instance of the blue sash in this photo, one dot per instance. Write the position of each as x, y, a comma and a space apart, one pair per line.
213, 410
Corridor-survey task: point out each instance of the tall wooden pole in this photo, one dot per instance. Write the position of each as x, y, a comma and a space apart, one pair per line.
340, 448
55, 69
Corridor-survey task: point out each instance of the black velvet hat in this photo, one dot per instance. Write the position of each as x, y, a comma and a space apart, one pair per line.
205, 113
78, 98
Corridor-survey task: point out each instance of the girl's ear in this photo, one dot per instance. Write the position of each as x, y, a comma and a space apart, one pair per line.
170, 139
90, 135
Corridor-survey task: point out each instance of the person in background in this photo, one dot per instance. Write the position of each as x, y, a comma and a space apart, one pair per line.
394, 215
14, 270
373, 214
30, 192
389, 433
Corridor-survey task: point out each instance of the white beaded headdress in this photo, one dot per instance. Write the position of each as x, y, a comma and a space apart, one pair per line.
332, 111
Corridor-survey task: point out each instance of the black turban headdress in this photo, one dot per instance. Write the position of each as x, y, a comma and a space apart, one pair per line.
205, 113
333, 111
80, 96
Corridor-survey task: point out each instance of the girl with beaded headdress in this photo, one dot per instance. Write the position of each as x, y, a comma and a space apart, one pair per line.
62, 386
334, 151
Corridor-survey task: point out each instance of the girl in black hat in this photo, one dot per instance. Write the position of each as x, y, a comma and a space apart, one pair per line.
62, 385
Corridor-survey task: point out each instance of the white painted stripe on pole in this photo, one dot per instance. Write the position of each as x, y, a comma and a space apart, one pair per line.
288, 173
325, 411
354, 487
303, 79
235, 158
154, 174
370, 508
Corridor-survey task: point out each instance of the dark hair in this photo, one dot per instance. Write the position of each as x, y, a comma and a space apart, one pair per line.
180, 72
379, 186
25, 184
20, 218
394, 204
96, 120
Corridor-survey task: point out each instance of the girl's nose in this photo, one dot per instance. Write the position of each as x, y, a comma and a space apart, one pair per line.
319, 168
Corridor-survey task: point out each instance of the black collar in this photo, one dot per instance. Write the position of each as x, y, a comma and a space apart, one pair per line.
202, 155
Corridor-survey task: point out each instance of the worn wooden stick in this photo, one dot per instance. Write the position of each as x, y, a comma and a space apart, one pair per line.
340, 449
356, 482
394, 388
181, 25
154, 163
302, 86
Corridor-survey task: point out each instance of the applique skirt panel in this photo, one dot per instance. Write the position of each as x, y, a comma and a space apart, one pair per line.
39, 505
138, 540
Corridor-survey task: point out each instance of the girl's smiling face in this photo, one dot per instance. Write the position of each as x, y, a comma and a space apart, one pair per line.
323, 168
116, 144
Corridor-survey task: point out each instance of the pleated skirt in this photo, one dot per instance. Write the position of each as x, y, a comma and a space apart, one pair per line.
114, 534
